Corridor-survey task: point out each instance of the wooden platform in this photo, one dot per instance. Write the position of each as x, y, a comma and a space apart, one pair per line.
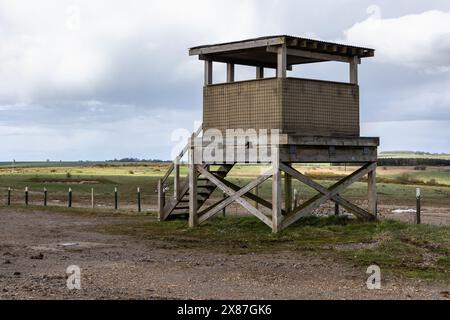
293, 149
290, 149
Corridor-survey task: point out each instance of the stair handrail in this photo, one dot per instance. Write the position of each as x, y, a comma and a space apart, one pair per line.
180, 155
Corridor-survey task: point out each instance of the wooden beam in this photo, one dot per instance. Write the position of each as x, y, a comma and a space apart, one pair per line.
176, 179
252, 196
354, 70
234, 196
259, 72
276, 190
372, 191
160, 200
281, 61
236, 46
230, 72
193, 201
322, 154
357, 211
236, 61
313, 203
338, 199
287, 192
313, 55
333, 141
208, 72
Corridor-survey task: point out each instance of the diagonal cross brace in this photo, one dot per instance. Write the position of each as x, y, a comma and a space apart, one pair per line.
249, 195
234, 196
325, 194
361, 213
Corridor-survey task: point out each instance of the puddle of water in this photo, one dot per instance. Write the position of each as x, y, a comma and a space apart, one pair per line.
404, 211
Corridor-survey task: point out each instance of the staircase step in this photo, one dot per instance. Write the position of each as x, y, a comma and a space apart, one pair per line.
200, 194
187, 200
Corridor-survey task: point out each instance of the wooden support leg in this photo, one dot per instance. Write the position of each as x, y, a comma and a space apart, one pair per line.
193, 203
176, 179
287, 193
160, 200
276, 190
372, 191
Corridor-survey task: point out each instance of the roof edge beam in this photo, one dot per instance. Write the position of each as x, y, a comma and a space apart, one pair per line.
237, 46
241, 62
314, 55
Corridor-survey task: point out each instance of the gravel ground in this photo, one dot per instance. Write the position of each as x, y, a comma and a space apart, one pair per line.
36, 247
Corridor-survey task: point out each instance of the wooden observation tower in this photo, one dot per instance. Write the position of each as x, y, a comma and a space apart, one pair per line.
288, 120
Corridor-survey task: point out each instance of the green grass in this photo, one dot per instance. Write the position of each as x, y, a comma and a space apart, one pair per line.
394, 188
410, 250
412, 155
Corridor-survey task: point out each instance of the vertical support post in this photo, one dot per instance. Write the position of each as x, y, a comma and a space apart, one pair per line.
224, 210
176, 178
208, 72
418, 218
354, 70
160, 199
282, 61
26, 196
139, 199
193, 203
45, 196
287, 192
276, 190
296, 198
92, 198
257, 194
372, 191
9, 196
259, 72
116, 199
230, 72
69, 202
336, 209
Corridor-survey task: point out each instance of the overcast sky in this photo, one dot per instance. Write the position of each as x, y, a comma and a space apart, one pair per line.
101, 79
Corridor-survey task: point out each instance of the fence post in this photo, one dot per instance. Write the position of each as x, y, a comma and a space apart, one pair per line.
115, 199
336, 209
26, 196
139, 199
9, 196
418, 220
45, 196
69, 204
92, 198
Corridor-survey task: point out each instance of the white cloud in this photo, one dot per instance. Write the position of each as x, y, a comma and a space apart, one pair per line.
430, 136
49, 48
420, 41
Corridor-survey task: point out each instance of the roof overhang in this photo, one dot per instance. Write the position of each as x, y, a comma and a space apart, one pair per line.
262, 52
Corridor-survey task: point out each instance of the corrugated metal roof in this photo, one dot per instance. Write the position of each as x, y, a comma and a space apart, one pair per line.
281, 36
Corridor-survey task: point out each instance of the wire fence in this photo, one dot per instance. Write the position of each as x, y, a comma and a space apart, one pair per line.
137, 201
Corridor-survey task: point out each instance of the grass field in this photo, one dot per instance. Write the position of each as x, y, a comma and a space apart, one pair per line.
396, 185
414, 155
406, 249
410, 250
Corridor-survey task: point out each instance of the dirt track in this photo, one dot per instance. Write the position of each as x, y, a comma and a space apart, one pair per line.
33, 262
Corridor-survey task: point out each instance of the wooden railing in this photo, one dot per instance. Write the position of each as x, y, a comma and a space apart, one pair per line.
175, 168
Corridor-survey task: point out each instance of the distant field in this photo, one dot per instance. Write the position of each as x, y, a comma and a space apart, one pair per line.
396, 185
413, 155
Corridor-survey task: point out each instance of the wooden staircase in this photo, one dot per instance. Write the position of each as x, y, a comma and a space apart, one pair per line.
176, 205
